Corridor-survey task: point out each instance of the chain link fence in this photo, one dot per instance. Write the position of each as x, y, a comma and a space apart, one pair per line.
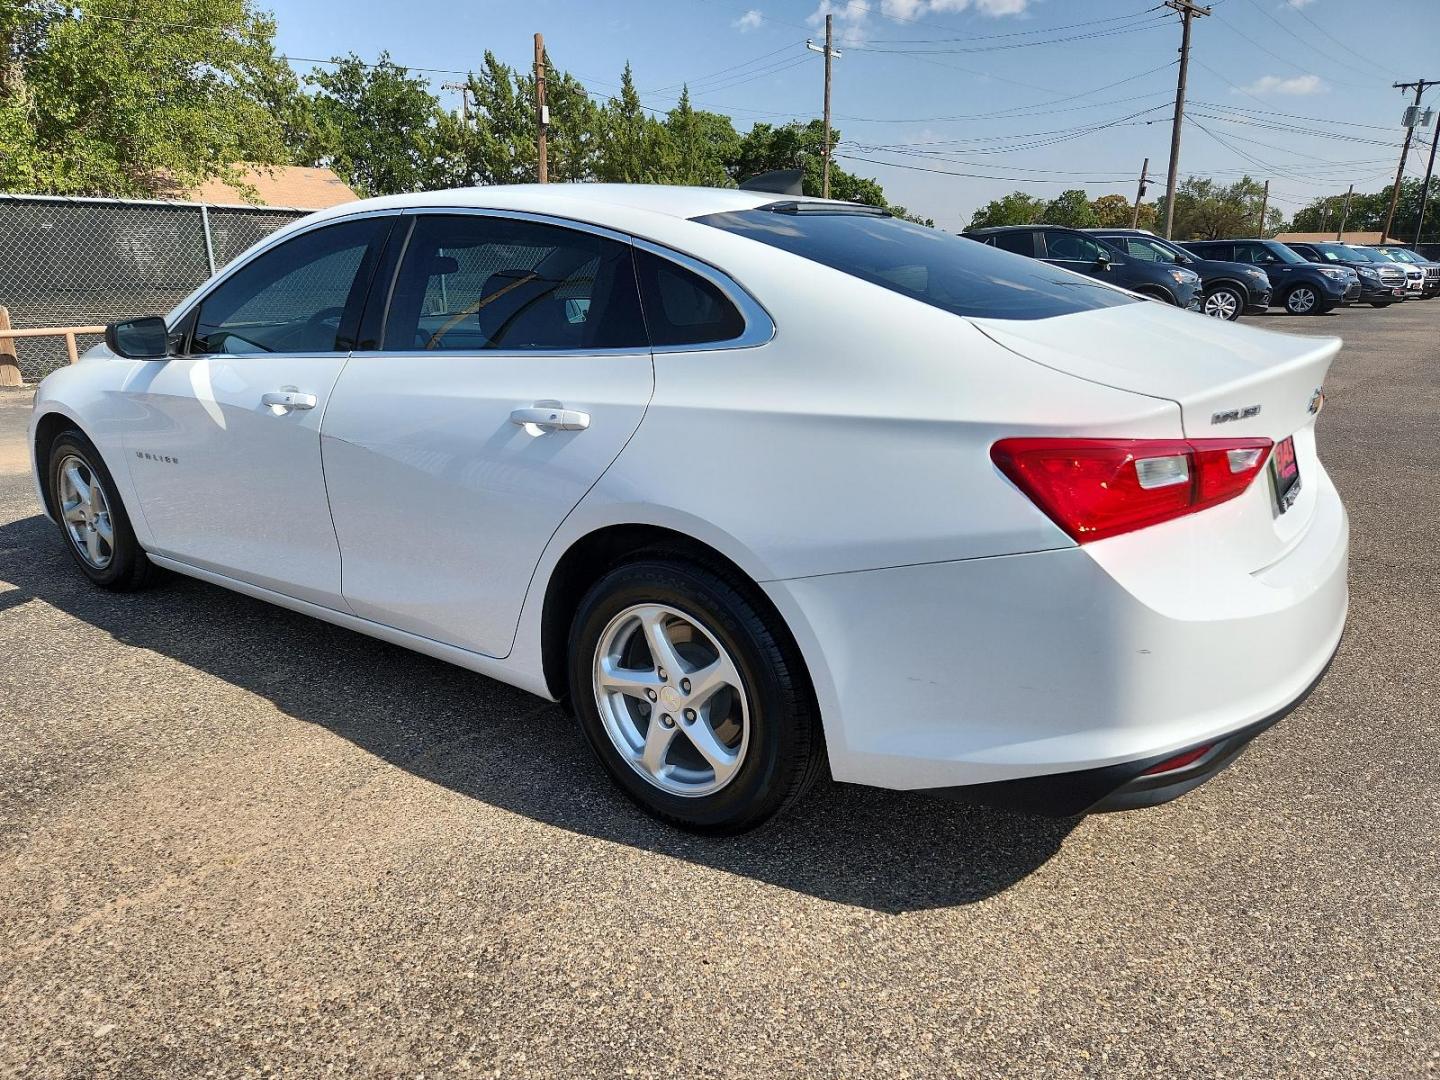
76, 262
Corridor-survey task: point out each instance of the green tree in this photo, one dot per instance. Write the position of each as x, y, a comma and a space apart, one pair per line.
637, 148
702, 142
173, 93
1017, 208
376, 125
1205, 210
1071, 208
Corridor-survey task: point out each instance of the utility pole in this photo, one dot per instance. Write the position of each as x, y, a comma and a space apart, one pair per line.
831, 53
464, 88
1139, 194
1429, 172
1188, 11
542, 111
1419, 87
1345, 214
1264, 206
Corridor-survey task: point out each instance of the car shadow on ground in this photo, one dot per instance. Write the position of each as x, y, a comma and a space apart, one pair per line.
882, 850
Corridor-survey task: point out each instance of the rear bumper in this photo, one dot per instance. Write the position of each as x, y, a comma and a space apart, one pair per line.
1075, 669
1125, 786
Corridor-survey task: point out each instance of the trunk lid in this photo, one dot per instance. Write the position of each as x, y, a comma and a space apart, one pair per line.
1228, 379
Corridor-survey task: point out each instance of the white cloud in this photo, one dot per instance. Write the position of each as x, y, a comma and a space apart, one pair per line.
1298, 3
852, 16
751, 20
1298, 86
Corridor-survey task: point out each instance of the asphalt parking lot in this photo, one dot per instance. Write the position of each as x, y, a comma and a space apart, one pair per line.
238, 842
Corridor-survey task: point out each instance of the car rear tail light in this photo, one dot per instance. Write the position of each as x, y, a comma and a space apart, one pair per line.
1179, 761
1096, 488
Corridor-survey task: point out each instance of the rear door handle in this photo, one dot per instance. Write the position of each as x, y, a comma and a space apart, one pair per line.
282, 401
551, 418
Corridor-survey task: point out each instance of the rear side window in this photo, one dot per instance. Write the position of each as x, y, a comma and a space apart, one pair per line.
681, 307
471, 283
1021, 243
937, 268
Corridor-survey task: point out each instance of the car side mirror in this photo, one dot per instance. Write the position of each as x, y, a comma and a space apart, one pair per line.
145, 338
1103, 260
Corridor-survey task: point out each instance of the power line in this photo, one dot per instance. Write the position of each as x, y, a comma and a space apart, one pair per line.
973, 176
882, 47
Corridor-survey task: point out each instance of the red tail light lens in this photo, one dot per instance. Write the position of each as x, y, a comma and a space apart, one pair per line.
1095, 488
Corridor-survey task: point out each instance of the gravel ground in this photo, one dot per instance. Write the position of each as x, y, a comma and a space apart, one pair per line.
237, 842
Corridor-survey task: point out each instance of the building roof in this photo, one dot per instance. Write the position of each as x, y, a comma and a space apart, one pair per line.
277, 185
1363, 238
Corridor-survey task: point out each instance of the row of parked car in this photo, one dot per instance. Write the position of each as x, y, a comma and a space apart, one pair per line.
1228, 278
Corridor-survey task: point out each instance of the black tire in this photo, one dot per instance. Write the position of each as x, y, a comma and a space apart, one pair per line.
1381, 303
128, 567
1217, 298
1303, 299
785, 751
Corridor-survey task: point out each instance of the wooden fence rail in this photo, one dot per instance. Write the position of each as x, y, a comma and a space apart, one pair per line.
10, 363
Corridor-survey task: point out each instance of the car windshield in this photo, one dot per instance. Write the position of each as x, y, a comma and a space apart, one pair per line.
1399, 255
1284, 254
1334, 253
1361, 254
937, 268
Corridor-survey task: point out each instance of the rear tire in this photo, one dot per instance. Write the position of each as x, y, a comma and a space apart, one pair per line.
1223, 302
721, 762
92, 519
1381, 303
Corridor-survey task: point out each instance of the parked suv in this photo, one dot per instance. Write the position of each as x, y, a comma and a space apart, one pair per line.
1429, 269
1300, 287
1229, 289
1072, 249
1382, 282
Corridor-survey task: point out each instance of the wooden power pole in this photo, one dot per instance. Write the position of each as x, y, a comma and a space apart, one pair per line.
1429, 172
1419, 87
1264, 207
1345, 214
1139, 194
542, 112
831, 53
1188, 11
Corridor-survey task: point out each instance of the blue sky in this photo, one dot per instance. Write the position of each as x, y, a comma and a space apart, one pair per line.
1084, 89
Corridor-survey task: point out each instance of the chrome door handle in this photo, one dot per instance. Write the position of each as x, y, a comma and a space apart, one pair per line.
287, 400
551, 418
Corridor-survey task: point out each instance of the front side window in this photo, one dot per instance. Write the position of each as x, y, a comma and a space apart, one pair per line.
1143, 247
937, 268
1072, 247
471, 283
293, 297
1020, 241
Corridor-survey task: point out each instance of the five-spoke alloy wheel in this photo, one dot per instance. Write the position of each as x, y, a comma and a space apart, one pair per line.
83, 500
692, 694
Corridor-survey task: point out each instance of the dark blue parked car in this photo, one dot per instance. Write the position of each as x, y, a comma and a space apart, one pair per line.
1300, 287
1229, 289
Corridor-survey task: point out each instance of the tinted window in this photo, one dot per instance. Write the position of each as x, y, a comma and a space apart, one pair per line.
1144, 247
934, 267
292, 298
1021, 242
1222, 252
682, 308
1072, 247
470, 283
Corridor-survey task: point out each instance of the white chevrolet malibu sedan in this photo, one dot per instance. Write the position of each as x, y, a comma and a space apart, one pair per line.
757, 484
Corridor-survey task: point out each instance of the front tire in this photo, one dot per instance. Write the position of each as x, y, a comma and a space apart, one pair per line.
1224, 302
1381, 303
696, 703
92, 519
1303, 300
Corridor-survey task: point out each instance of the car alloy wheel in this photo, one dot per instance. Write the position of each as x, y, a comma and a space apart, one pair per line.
1224, 303
671, 699
85, 512
1301, 301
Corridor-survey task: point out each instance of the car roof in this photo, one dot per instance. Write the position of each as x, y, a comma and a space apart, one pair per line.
1015, 228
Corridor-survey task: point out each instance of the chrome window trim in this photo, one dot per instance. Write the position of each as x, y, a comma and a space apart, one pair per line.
759, 326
